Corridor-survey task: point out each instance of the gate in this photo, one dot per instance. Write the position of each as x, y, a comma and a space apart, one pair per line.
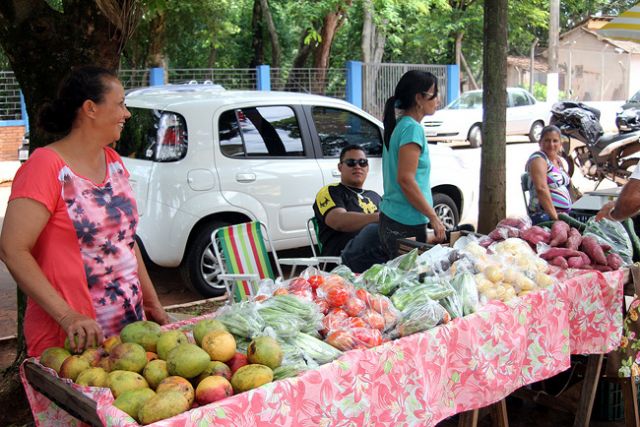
379, 82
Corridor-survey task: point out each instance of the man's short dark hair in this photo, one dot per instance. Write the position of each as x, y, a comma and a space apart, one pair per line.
351, 147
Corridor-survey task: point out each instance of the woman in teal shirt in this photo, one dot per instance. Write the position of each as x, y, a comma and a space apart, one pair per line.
407, 204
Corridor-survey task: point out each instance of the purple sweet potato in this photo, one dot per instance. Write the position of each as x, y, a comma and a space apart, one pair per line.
614, 261
586, 261
591, 247
560, 262
519, 223
575, 262
535, 235
574, 239
559, 233
605, 247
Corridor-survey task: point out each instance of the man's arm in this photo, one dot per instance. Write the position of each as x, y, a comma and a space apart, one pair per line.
348, 222
627, 205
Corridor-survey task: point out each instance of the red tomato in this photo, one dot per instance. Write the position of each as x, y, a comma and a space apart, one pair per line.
354, 322
379, 303
316, 281
364, 295
322, 304
368, 337
337, 296
280, 291
259, 298
374, 319
333, 320
354, 306
342, 340
299, 284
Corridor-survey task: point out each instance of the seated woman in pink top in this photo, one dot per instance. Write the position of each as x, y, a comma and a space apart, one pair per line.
68, 237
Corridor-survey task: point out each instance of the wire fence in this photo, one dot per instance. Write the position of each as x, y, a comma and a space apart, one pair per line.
134, 78
9, 97
329, 82
229, 78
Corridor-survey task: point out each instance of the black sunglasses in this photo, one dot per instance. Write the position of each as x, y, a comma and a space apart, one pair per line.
363, 163
430, 95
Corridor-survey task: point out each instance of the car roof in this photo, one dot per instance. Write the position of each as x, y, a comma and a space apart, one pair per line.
216, 95
509, 89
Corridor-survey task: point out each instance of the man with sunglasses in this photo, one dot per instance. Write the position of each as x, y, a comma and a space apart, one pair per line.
347, 214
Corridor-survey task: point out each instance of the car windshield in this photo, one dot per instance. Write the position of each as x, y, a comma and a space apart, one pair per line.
468, 100
635, 97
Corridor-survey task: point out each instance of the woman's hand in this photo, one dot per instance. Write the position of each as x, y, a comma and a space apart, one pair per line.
439, 229
83, 332
605, 210
157, 314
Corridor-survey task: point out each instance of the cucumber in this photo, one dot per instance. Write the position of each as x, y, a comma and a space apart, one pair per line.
635, 241
572, 222
547, 224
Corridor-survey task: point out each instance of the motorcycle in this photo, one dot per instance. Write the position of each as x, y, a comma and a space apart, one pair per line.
628, 120
585, 145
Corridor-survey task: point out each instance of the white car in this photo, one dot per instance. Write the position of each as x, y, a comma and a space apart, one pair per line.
462, 119
201, 157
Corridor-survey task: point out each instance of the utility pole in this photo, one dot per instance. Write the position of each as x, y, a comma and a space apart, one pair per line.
554, 36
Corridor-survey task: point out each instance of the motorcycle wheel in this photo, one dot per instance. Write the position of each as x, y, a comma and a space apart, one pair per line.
567, 163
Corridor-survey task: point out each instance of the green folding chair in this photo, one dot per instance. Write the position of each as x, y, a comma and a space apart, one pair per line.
313, 232
243, 258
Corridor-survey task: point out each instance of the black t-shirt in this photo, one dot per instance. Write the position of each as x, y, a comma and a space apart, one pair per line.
340, 196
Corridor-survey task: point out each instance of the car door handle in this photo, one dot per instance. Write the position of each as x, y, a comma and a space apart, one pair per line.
335, 173
245, 177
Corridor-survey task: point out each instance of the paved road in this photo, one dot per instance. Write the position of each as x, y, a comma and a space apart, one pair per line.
167, 281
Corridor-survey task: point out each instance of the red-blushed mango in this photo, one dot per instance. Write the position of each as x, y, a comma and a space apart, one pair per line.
237, 361
215, 368
128, 356
72, 366
53, 357
265, 351
212, 389
179, 384
92, 355
205, 326
220, 345
109, 343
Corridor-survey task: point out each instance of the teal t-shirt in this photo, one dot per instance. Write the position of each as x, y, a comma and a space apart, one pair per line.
394, 203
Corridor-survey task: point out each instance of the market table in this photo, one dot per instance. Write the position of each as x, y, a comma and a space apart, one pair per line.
421, 379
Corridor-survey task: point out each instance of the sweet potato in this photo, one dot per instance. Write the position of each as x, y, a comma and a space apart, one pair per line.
574, 239
614, 261
605, 247
575, 262
560, 262
535, 235
559, 252
559, 233
519, 223
591, 247
586, 261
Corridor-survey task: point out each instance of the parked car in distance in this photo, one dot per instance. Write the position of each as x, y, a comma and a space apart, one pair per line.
462, 119
627, 116
201, 157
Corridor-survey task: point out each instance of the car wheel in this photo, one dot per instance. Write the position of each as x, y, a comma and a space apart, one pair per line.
535, 131
475, 136
200, 267
446, 210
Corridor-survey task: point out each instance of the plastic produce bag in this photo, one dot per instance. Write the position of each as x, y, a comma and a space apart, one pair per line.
421, 316
293, 312
344, 272
465, 285
613, 234
242, 319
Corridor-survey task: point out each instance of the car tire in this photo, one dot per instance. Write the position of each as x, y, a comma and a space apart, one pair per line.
200, 267
536, 130
475, 136
447, 210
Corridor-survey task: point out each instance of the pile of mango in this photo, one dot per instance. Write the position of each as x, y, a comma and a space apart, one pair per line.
155, 374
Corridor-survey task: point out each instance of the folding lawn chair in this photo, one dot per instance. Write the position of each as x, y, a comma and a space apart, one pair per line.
313, 232
244, 260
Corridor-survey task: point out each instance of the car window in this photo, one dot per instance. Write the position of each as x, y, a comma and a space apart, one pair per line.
467, 101
338, 128
271, 131
635, 97
155, 135
519, 99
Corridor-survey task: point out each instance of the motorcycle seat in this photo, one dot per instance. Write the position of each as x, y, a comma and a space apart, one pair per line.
611, 141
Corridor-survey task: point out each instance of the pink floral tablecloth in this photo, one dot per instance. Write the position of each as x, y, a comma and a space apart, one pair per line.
421, 379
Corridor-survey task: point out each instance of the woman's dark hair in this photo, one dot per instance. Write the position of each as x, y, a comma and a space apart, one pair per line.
547, 129
404, 97
82, 83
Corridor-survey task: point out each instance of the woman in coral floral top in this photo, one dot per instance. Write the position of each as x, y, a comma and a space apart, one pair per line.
69, 231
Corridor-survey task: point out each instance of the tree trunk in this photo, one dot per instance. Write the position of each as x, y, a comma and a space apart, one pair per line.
257, 42
42, 45
304, 50
276, 51
331, 22
492, 206
373, 39
157, 41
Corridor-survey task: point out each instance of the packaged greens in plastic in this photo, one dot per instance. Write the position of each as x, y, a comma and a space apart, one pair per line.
242, 319
411, 290
611, 233
452, 302
421, 316
381, 279
344, 272
464, 284
309, 318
